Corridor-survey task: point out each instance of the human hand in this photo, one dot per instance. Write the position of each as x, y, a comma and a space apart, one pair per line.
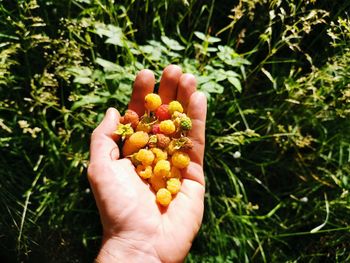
135, 227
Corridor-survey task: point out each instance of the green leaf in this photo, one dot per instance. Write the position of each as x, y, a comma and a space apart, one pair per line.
107, 65
90, 99
154, 53
206, 38
230, 57
200, 35
114, 34
82, 80
212, 87
213, 39
236, 83
172, 44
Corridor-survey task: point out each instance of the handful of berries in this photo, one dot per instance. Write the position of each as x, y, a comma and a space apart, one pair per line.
157, 145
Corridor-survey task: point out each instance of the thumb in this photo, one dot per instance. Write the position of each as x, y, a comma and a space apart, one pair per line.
103, 146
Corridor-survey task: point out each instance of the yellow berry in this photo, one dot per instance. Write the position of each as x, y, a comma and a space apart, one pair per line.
152, 101
159, 155
167, 127
180, 159
157, 182
145, 156
173, 185
162, 168
144, 172
175, 173
175, 106
163, 197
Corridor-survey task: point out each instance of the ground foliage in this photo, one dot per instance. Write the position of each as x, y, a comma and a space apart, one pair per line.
277, 162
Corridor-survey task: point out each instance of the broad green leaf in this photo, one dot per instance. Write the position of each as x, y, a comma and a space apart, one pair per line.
114, 34
212, 87
200, 35
107, 65
154, 53
80, 71
172, 44
82, 80
89, 99
236, 83
230, 57
213, 39
206, 38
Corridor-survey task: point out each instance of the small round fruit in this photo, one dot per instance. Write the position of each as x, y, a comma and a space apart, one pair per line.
175, 173
157, 182
145, 156
135, 142
144, 172
155, 128
162, 113
139, 139
175, 106
162, 168
131, 117
186, 124
173, 185
163, 197
162, 140
167, 127
180, 159
159, 155
152, 101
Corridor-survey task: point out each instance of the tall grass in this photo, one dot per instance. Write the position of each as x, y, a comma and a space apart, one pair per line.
278, 149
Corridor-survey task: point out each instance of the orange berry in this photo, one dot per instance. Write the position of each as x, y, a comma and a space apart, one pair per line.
131, 117
180, 159
157, 182
152, 101
163, 197
135, 142
175, 173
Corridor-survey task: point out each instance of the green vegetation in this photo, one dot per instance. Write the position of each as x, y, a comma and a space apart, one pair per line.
277, 75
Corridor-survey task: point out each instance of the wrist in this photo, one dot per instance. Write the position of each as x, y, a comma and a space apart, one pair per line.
116, 249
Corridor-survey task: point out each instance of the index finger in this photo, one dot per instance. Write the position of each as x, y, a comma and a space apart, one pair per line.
144, 84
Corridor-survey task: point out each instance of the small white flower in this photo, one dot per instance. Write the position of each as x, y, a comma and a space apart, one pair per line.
237, 155
304, 199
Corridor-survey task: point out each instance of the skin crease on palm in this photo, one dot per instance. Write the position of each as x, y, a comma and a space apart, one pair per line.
135, 227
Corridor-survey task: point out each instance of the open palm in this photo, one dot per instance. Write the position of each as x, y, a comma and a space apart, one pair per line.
135, 226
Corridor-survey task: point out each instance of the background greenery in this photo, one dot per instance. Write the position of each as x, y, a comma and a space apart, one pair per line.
277, 75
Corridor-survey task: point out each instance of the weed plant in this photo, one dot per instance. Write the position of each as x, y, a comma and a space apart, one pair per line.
277, 162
